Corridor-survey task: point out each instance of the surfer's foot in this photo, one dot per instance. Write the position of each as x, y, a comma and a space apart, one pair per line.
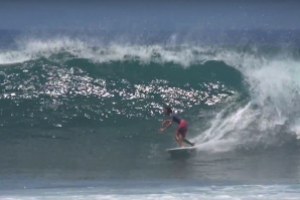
190, 143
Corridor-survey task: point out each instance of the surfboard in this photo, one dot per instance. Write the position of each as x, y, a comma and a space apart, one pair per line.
181, 151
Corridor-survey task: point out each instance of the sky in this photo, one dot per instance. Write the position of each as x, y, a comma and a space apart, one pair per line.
152, 15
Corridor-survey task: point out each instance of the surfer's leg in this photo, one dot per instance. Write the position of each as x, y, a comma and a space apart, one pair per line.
182, 130
189, 142
179, 139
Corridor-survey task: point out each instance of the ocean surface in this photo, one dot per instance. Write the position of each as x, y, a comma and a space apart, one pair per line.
80, 114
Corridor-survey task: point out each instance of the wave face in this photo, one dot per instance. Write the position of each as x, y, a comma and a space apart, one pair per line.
67, 83
64, 82
87, 99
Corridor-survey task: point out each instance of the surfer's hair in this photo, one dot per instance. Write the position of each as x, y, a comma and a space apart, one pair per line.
168, 109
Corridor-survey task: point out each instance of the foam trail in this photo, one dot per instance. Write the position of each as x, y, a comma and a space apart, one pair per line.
227, 132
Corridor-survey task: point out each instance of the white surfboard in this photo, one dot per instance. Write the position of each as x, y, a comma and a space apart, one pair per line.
181, 151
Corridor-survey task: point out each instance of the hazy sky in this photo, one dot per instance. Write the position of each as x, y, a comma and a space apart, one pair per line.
163, 14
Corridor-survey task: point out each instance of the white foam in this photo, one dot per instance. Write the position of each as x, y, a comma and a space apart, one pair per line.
35, 48
238, 192
274, 89
31, 49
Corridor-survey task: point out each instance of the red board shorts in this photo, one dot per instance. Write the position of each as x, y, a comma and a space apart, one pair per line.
183, 128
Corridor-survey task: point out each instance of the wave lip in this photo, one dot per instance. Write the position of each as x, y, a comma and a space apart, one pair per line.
32, 49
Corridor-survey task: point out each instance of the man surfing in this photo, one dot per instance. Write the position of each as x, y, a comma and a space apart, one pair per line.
182, 126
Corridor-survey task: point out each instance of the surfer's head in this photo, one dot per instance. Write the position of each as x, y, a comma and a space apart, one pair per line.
168, 110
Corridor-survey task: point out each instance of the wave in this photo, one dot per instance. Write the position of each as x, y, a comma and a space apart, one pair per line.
253, 92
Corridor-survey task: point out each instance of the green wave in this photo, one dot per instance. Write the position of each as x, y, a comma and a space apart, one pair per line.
51, 92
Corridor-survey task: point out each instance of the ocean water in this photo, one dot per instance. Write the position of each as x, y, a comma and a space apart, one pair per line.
80, 116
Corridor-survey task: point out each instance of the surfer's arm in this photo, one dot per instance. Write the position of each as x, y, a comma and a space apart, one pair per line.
165, 125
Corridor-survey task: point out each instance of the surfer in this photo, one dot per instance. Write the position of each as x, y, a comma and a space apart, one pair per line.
182, 126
